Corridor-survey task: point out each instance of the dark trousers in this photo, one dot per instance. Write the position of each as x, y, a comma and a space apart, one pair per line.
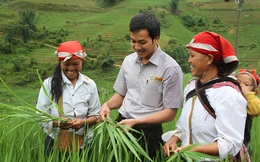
247, 135
48, 146
151, 138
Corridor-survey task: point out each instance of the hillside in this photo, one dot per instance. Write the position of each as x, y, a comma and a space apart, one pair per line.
106, 28
86, 19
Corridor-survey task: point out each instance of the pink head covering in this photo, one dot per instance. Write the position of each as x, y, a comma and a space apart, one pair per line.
214, 44
70, 49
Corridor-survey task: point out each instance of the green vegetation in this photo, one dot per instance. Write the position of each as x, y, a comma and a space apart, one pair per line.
30, 31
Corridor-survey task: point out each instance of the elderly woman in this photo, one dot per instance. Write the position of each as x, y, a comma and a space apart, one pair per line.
75, 93
219, 131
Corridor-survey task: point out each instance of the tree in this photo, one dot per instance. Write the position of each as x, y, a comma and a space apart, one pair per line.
23, 29
174, 6
27, 25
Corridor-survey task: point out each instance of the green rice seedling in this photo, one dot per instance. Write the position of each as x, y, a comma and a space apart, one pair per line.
255, 140
22, 139
114, 142
27, 111
190, 156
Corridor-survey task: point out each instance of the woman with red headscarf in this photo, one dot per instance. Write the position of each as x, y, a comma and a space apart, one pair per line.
219, 132
74, 92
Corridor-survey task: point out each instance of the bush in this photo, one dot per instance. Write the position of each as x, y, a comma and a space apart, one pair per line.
188, 21
6, 47
89, 64
174, 6
107, 63
180, 54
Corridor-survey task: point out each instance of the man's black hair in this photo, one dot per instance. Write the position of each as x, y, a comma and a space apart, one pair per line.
147, 21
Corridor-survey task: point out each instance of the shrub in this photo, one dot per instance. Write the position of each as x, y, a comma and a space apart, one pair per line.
180, 54
6, 47
107, 63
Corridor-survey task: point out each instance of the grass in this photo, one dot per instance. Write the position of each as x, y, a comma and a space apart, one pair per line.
29, 142
255, 140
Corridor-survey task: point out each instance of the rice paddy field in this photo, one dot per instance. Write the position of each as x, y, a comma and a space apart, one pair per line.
22, 139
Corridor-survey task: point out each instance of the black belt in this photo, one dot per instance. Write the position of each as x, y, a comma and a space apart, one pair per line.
120, 117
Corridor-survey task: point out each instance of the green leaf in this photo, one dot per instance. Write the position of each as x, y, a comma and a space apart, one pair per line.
172, 157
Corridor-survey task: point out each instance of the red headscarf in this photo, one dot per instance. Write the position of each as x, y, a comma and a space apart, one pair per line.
214, 44
70, 49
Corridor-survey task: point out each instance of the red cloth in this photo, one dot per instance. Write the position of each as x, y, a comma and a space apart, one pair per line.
73, 48
212, 43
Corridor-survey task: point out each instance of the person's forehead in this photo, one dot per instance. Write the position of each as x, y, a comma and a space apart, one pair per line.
245, 76
73, 60
142, 32
191, 51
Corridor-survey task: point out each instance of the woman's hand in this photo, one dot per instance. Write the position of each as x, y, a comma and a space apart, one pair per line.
78, 123
169, 147
66, 124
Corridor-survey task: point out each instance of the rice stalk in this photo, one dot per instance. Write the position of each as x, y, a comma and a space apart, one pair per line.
190, 156
27, 112
114, 143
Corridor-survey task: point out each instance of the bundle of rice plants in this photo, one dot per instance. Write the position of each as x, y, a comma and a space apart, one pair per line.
25, 111
189, 156
114, 142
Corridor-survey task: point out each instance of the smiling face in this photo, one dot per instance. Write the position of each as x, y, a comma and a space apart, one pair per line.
143, 44
71, 68
198, 63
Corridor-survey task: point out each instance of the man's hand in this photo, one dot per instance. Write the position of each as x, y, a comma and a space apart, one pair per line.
128, 122
104, 112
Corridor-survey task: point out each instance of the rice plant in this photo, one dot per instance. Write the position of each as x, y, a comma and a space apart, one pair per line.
113, 142
190, 156
22, 139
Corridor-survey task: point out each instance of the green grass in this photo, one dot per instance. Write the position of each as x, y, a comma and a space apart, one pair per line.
30, 146
255, 140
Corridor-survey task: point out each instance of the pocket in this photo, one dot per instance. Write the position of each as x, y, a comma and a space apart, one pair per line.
152, 93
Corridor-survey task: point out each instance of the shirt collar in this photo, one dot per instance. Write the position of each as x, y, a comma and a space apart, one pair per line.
66, 80
154, 59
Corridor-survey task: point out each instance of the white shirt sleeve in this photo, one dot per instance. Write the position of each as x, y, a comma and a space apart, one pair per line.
230, 122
